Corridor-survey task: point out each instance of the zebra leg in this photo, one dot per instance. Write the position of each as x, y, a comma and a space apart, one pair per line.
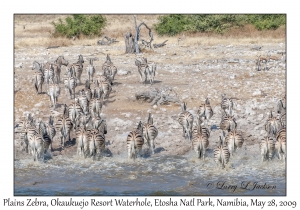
152, 147
183, 132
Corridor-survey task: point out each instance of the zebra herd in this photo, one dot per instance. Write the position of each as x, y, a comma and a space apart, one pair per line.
82, 116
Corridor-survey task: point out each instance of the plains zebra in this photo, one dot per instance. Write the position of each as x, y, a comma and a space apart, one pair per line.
82, 139
281, 105
87, 90
77, 69
49, 74
205, 111
53, 93
38, 79
97, 143
272, 125
51, 130
142, 65
267, 148
57, 67
84, 120
64, 125
37, 67
83, 101
205, 130
36, 145
150, 72
221, 154
75, 110
105, 88
280, 145
150, 132
135, 141
95, 107
70, 85
200, 141
228, 123
234, 140
99, 124
186, 119
226, 104
282, 119
109, 69
90, 70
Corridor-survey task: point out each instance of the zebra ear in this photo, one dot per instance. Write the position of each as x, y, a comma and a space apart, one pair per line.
207, 101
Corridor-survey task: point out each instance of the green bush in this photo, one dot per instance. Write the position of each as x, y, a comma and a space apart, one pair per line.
174, 24
76, 25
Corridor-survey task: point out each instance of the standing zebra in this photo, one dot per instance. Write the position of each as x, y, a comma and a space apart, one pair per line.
150, 133
104, 88
234, 140
38, 79
75, 111
97, 143
70, 85
272, 125
150, 72
281, 105
109, 69
84, 120
267, 148
95, 107
82, 139
228, 123
221, 154
63, 126
226, 104
142, 65
186, 119
99, 124
205, 131
53, 93
135, 141
57, 67
90, 70
36, 146
280, 145
37, 67
77, 69
49, 74
87, 90
83, 101
200, 141
50, 129
205, 111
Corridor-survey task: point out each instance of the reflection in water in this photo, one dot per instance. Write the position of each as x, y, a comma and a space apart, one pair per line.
156, 175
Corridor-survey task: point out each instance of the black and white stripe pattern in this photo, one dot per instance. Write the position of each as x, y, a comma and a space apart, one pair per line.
82, 139
200, 141
97, 143
70, 85
135, 142
280, 145
234, 140
63, 127
150, 132
90, 70
205, 111
53, 93
75, 110
57, 67
50, 129
38, 79
83, 101
77, 69
221, 154
186, 119
226, 104
49, 74
95, 107
36, 145
228, 123
87, 90
272, 125
142, 65
281, 105
109, 69
267, 148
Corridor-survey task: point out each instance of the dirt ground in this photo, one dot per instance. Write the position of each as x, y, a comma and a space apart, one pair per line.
194, 70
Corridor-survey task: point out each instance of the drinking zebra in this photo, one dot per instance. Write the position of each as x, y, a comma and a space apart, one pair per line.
186, 119
135, 142
267, 148
221, 154
150, 132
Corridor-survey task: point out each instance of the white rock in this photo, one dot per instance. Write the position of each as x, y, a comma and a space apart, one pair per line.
154, 106
123, 72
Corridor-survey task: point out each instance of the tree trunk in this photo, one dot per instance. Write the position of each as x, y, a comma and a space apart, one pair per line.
129, 42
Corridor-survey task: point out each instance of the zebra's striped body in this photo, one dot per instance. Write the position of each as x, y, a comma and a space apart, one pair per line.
57, 67
105, 88
75, 111
84, 120
221, 154
63, 126
53, 93
38, 79
84, 102
49, 74
205, 111
90, 71
50, 129
82, 139
150, 72
200, 141
280, 145
28, 131
272, 125
109, 70
135, 142
36, 145
282, 119
234, 140
186, 119
281, 105
99, 124
142, 65
150, 132
77, 69
87, 90
97, 143
267, 148
226, 104
228, 123
95, 107
70, 85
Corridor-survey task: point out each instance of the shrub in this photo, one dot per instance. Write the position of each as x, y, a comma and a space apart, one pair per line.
76, 25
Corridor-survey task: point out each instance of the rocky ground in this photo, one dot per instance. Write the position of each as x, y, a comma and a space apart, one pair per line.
193, 71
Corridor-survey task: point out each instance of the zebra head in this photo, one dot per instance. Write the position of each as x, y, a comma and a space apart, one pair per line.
80, 59
207, 101
61, 61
